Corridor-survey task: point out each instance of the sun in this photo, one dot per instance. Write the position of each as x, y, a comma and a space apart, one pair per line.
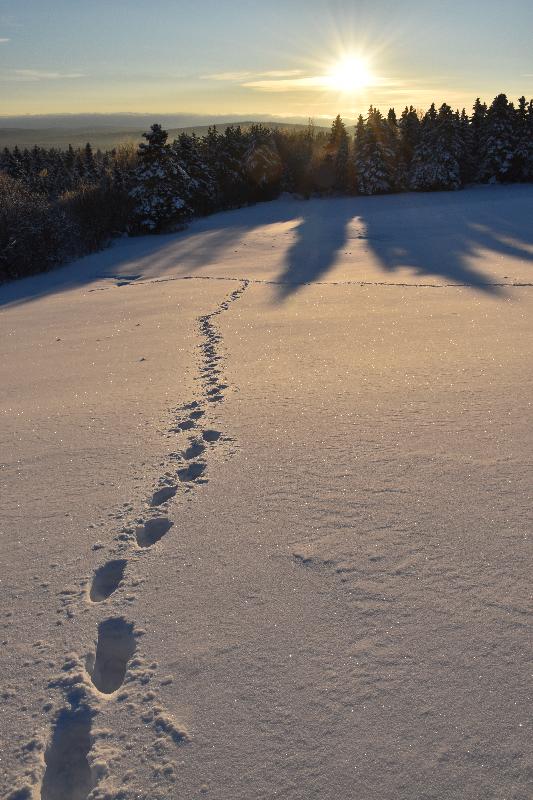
350, 74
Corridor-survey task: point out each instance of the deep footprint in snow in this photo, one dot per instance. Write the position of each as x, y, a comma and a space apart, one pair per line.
211, 436
162, 495
106, 580
115, 647
192, 472
68, 775
194, 450
185, 426
152, 531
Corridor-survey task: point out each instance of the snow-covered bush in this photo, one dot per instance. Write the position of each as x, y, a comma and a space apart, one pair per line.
35, 233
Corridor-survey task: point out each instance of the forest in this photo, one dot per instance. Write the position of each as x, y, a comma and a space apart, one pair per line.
57, 205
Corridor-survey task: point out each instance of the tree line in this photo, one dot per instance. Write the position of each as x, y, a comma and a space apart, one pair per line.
58, 204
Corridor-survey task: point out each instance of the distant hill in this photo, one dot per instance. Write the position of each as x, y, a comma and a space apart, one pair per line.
107, 131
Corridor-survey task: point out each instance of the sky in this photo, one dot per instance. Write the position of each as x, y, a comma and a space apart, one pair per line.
272, 58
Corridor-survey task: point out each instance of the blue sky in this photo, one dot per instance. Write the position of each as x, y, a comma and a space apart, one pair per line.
242, 57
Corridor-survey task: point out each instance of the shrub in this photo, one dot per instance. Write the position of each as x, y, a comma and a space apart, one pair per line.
34, 233
98, 211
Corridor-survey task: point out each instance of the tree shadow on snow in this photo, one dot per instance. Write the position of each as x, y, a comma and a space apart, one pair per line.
434, 237
431, 238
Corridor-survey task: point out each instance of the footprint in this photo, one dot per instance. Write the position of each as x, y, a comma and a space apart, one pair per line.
192, 472
115, 647
68, 775
211, 436
162, 495
196, 414
152, 531
194, 450
106, 580
186, 425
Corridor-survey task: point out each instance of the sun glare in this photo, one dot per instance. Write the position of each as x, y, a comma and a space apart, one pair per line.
349, 75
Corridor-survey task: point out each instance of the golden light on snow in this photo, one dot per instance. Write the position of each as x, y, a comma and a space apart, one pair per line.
349, 75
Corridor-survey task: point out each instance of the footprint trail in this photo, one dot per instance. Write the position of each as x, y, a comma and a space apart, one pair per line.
65, 772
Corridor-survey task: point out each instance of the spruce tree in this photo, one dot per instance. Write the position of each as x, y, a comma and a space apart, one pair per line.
409, 125
161, 185
202, 187
522, 169
372, 157
435, 164
392, 143
498, 142
467, 162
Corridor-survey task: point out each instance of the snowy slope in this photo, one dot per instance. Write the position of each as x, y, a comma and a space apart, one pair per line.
266, 508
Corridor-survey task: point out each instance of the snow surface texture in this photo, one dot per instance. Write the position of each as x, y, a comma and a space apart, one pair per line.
266, 508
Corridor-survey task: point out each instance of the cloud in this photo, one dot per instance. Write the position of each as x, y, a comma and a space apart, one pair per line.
309, 83
249, 76
32, 75
287, 84
4, 41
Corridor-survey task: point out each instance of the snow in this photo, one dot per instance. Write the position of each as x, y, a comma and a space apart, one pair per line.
288, 453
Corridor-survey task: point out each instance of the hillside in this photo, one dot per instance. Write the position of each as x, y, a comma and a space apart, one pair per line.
104, 138
266, 507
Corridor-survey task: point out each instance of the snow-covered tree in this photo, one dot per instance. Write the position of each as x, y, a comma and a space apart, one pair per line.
409, 125
262, 164
497, 142
435, 165
202, 187
523, 151
161, 185
339, 147
373, 158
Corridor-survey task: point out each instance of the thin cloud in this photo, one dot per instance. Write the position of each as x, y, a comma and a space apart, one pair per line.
4, 41
250, 76
32, 75
310, 83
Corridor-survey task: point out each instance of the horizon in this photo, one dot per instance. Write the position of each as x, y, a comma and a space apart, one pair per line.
258, 61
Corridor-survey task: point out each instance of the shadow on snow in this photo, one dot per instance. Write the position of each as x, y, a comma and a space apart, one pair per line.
431, 235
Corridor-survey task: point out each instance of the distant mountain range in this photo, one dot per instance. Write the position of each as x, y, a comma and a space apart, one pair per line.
106, 131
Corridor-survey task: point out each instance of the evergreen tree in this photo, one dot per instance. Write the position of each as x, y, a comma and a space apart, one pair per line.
392, 142
202, 188
373, 159
522, 169
88, 168
435, 164
467, 163
339, 147
262, 163
498, 142
161, 187
409, 125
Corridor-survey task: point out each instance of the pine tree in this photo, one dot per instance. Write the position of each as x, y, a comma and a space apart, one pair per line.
161, 187
435, 164
88, 168
467, 162
202, 188
262, 164
498, 142
373, 159
410, 132
339, 147
522, 169
392, 144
